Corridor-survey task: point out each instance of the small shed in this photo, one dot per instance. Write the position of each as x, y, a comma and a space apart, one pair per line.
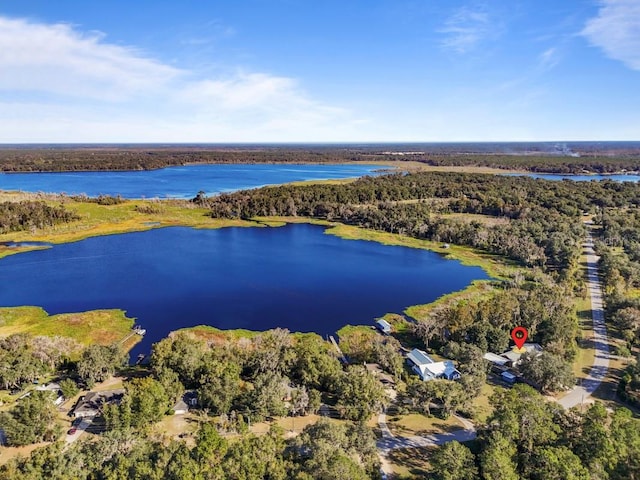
383, 326
508, 377
180, 408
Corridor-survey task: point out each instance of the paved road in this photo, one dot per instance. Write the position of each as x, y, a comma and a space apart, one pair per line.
576, 396
601, 361
390, 442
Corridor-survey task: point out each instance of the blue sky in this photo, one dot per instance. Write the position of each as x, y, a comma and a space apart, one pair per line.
319, 71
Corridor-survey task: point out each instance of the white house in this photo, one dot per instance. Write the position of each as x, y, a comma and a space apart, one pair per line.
383, 326
427, 369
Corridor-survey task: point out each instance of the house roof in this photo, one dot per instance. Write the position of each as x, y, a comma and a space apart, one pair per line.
493, 358
440, 368
52, 387
180, 405
383, 324
418, 357
515, 354
437, 369
93, 401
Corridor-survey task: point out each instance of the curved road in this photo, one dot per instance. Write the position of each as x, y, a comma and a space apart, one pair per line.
575, 397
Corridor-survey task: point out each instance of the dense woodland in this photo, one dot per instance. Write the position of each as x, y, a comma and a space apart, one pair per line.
543, 228
527, 438
27, 215
592, 159
243, 378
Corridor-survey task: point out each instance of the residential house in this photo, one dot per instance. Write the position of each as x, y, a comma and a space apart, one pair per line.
180, 408
92, 403
189, 399
427, 369
513, 356
383, 326
55, 388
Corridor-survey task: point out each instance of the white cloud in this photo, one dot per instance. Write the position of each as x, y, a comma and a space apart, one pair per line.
61, 85
465, 29
57, 59
616, 30
548, 59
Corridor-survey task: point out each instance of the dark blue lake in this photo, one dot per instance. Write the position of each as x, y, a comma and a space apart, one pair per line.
294, 277
178, 182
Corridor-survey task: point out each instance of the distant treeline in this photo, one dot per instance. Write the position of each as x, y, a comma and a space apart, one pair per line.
140, 158
544, 227
15, 216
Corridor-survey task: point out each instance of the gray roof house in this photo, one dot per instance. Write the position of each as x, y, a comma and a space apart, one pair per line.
180, 408
427, 369
514, 355
495, 359
92, 403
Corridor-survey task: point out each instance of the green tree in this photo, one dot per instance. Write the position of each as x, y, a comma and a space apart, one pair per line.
497, 460
219, 385
99, 362
149, 401
522, 416
69, 388
453, 461
32, 420
550, 372
557, 463
360, 394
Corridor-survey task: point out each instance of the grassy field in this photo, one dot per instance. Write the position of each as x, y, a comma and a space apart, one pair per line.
417, 424
408, 463
95, 327
215, 335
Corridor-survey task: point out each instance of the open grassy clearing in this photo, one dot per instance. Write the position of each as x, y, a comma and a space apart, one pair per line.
215, 335
101, 327
7, 453
410, 463
417, 424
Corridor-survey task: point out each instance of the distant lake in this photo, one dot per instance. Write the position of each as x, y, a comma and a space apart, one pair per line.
578, 178
294, 277
178, 182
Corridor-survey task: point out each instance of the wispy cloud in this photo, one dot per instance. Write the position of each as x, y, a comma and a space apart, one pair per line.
465, 29
60, 84
616, 30
548, 59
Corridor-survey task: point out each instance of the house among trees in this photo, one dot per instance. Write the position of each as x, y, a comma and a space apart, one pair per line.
189, 399
383, 326
427, 369
513, 356
92, 403
55, 389
495, 360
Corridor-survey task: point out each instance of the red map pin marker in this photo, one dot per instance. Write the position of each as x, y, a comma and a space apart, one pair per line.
519, 336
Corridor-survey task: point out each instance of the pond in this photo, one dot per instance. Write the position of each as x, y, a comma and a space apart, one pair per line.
179, 182
294, 277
